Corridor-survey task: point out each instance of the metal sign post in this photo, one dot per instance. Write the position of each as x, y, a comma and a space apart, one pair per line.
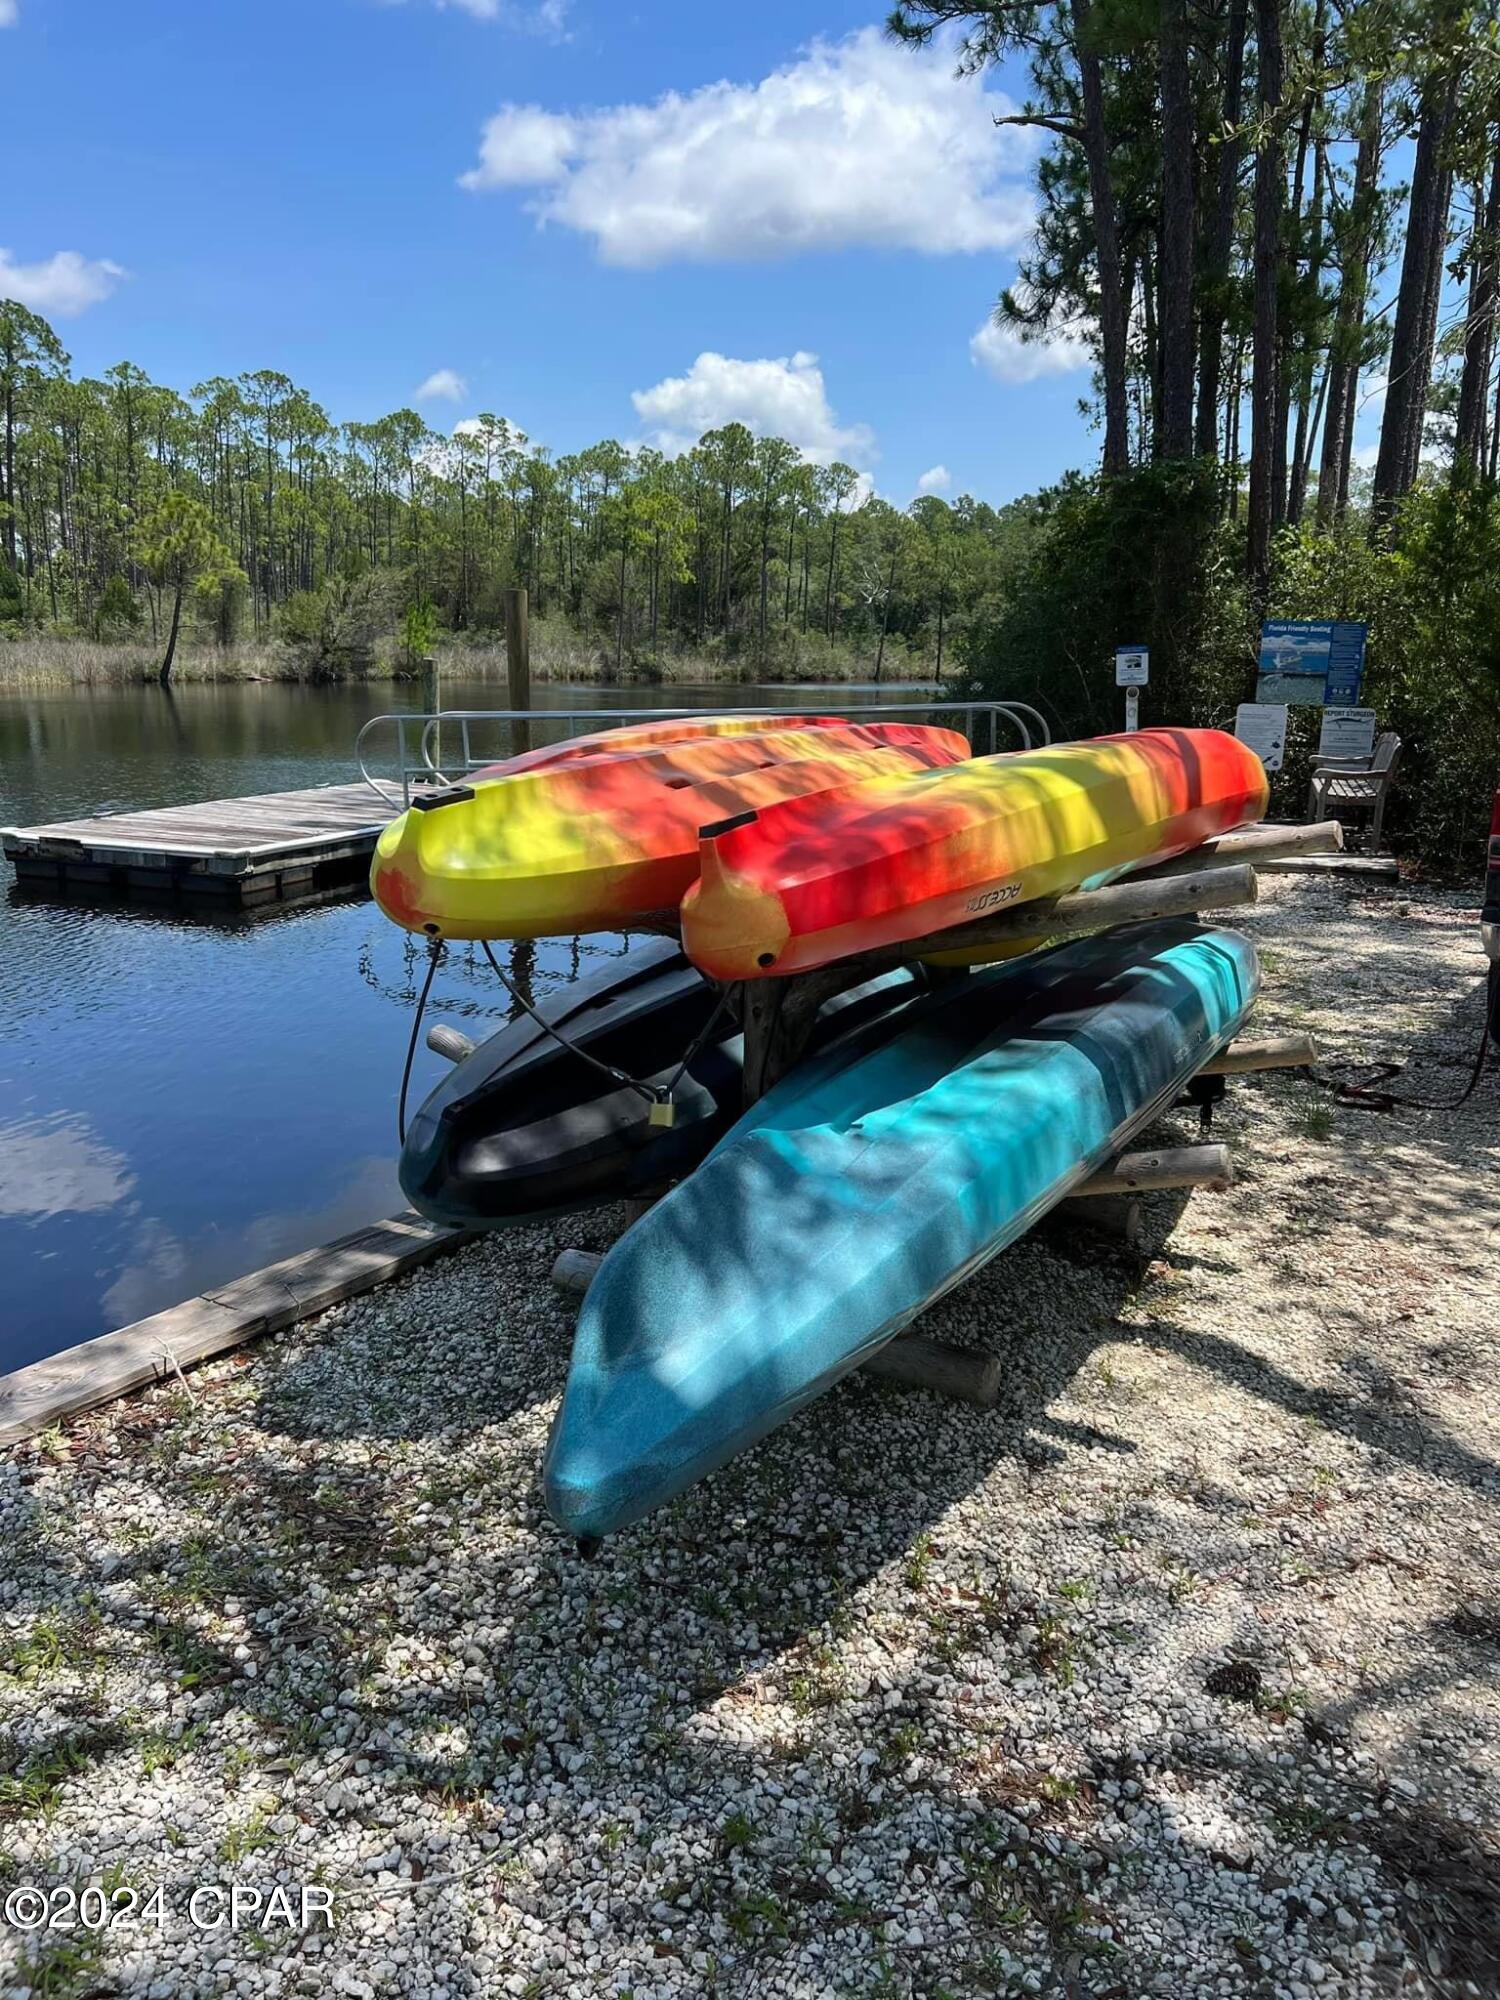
1132, 672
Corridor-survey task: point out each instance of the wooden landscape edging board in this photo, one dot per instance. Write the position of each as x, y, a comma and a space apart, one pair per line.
150, 1350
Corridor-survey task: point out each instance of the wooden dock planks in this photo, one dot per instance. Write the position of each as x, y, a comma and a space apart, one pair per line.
243, 851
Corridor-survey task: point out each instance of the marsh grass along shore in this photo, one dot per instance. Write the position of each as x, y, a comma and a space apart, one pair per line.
42, 662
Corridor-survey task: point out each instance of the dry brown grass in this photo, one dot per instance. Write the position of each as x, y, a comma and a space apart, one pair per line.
48, 661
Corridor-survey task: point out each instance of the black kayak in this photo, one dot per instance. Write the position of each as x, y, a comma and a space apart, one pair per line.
523, 1128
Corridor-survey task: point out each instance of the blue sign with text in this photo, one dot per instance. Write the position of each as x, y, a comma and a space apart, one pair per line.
1320, 662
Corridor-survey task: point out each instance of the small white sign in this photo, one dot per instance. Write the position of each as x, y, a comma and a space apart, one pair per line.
1261, 727
1347, 735
1132, 666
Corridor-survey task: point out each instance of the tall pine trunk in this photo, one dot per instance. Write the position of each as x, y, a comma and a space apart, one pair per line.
1113, 305
1175, 409
1349, 319
1219, 238
1479, 332
1416, 305
1309, 410
164, 676
1265, 342
9, 495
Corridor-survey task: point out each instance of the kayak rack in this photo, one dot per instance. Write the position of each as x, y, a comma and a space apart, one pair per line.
778, 1014
437, 747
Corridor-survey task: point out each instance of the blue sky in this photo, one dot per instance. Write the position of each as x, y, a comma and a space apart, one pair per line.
280, 184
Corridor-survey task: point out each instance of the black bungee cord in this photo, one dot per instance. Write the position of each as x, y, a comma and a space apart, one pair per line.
434, 954
1367, 1097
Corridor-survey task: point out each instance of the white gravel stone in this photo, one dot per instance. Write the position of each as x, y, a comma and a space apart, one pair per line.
1174, 1675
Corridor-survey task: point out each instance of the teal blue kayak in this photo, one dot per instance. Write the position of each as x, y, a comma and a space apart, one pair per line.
861, 1189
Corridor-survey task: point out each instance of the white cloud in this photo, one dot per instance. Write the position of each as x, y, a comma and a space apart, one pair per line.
445, 383
10, 13
783, 398
66, 284
1061, 350
856, 142
58, 1166
936, 479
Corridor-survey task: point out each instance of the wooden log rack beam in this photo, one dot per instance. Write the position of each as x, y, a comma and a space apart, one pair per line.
778, 1014
1255, 844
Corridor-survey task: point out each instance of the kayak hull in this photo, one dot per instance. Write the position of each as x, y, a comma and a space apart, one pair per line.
901, 857
861, 1189
588, 843
652, 736
525, 1128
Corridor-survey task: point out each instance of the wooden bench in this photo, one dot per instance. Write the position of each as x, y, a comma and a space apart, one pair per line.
1356, 791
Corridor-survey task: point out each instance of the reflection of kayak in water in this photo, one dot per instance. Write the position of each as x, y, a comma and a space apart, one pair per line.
816, 879
860, 1189
589, 843
523, 1127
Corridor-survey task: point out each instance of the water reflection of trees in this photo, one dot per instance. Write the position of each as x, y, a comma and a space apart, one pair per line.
466, 987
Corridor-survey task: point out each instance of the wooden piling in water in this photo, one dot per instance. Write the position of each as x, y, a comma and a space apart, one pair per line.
518, 664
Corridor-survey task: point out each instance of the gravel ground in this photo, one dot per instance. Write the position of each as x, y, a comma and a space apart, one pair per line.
1175, 1675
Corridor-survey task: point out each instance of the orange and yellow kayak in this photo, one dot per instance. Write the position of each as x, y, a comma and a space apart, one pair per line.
897, 857
592, 842
654, 736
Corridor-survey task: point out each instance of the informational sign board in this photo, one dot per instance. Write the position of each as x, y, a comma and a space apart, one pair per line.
1347, 735
1315, 662
1261, 727
1346, 666
1132, 666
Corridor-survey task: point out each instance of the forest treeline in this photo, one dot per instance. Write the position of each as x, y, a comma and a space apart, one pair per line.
247, 504
1261, 215
1250, 207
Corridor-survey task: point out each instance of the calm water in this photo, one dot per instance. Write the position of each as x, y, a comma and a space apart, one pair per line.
182, 1101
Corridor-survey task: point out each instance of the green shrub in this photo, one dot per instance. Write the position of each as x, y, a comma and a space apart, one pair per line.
1145, 559
1142, 559
117, 612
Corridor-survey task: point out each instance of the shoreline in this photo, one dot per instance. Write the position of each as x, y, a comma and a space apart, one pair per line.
47, 666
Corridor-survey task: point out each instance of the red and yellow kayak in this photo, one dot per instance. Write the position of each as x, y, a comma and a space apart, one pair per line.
894, 858
592, 842
654, 736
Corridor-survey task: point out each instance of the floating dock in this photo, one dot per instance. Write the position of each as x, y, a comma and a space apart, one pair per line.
235, 853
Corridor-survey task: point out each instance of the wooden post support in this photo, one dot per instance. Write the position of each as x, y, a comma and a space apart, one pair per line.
518, 664
1116, 1215
574, 1270
1171, 1167
958, 1372
1276, 1052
